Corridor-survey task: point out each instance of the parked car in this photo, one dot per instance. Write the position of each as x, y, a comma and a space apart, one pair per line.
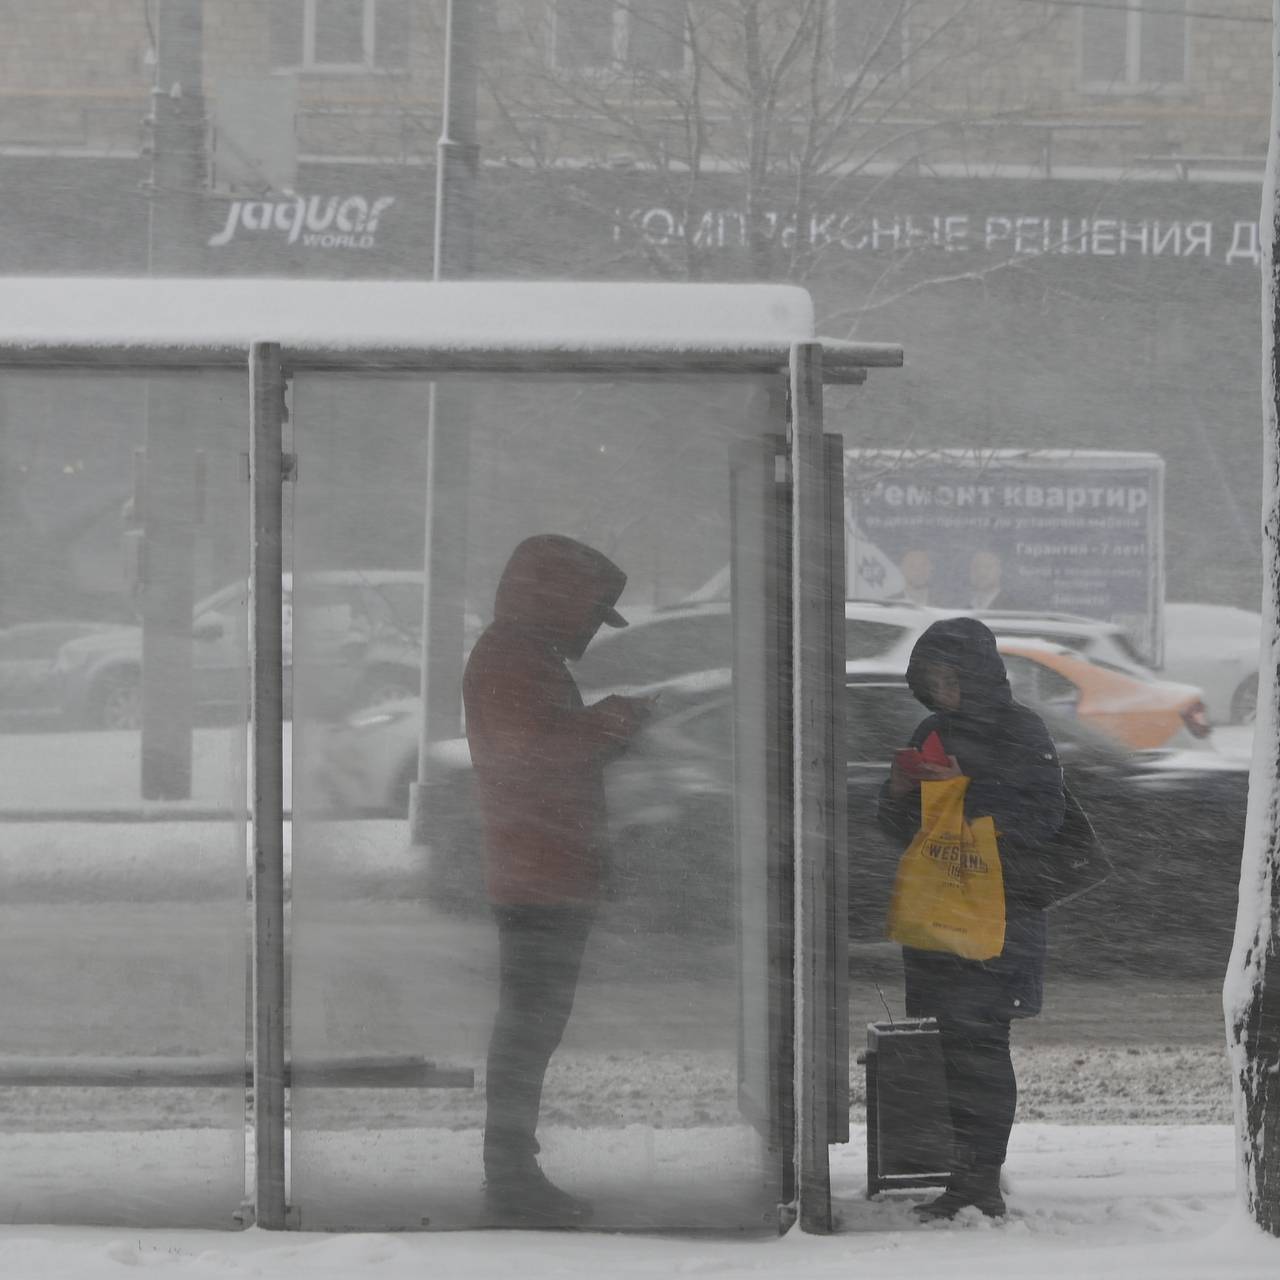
1140, 711
1215, 646
1172, 820
358, 632
29, 688
665, 643
661, 645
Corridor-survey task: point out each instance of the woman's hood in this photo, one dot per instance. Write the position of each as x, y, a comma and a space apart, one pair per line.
969, 649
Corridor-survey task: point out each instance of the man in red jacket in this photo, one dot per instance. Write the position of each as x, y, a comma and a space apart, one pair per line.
539, 756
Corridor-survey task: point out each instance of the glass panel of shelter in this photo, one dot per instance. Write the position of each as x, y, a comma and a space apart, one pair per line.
397, 951
123, 932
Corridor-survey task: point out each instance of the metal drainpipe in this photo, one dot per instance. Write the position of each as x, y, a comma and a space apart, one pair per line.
448, 420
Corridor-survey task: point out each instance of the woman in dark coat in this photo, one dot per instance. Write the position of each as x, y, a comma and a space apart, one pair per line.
1005, 751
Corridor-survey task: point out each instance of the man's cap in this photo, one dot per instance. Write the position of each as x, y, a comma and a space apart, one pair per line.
613, 618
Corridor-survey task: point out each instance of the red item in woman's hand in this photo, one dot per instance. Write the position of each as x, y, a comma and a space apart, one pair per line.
933, 752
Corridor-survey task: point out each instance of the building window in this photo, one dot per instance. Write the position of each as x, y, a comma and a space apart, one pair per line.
867, 38
340, 35
642, 36
1138, 45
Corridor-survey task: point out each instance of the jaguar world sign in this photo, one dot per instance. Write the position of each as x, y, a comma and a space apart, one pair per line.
316, 222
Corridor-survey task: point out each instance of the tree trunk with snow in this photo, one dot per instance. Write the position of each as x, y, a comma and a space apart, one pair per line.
1251, 997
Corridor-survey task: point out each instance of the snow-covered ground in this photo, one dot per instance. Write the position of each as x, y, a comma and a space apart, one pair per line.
1138, 1202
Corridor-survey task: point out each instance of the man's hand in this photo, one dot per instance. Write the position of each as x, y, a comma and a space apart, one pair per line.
627, 715
642, 709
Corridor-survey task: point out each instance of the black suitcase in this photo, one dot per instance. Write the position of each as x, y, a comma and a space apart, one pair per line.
908, 1124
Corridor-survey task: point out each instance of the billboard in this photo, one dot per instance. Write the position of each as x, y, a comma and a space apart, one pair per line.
1059, 531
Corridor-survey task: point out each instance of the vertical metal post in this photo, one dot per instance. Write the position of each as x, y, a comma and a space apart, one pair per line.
457, 152
266, 396
167, 591
835, 992
811, 694
448, 417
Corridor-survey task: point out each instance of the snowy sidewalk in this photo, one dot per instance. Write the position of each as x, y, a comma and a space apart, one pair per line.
1138, 1202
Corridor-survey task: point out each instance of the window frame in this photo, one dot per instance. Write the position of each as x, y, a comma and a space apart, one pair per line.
618, 63
1132, 81
371, 65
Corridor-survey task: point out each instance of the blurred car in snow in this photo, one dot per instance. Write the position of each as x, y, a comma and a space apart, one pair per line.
1103, 642
29, 689
359, 630
1215, 646
1172, 820
663, 644
1140, 711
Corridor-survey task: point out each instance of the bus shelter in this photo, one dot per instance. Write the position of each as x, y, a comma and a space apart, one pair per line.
399, 441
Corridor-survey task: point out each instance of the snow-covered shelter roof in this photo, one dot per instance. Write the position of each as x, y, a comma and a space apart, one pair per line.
491, 325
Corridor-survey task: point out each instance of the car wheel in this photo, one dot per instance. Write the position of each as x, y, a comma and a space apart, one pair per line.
386, 685
1244, 702
117, 700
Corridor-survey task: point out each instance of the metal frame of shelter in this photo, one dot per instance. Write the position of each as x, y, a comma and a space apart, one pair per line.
802, 366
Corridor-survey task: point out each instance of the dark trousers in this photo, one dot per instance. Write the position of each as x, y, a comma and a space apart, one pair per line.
539, 959
969, 1001
982, 1091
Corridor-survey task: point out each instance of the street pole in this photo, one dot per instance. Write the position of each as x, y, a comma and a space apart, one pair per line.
166, 571
811, 695
448, 417
266, 401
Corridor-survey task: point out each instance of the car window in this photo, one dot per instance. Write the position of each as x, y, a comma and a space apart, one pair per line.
1034, 682
37, 642
396, 606
1055, 687
1078, 643
879, 720
655, 651
865, 639
326, 616
1120, 644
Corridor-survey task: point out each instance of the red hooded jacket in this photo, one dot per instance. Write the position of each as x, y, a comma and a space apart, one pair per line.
538, 753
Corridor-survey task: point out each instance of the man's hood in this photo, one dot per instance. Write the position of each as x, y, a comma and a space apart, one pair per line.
969, 649
560, 589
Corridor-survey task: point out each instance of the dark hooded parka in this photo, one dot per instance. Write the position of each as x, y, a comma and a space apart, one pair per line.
1005, 751
538, 753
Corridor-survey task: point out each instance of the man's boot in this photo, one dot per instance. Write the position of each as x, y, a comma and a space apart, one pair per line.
516, 1191
977, 1187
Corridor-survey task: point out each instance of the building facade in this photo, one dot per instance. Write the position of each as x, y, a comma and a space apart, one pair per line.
1053, 205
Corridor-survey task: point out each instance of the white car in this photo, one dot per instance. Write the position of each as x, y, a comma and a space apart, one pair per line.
1216, 647
662, 644
665, 643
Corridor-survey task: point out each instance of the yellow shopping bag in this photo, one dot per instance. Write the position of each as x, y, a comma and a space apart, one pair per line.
949, 892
